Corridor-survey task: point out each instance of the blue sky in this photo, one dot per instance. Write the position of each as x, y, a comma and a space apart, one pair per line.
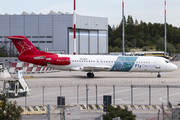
145, 10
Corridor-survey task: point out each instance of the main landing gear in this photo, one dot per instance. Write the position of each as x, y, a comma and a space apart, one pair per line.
159, 75
90, 75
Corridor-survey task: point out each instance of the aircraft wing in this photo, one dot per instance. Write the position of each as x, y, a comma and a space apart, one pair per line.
92, 68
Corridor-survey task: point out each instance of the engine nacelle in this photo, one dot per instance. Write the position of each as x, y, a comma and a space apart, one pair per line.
58, 61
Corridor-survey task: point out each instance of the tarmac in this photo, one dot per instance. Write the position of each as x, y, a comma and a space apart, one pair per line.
73, 86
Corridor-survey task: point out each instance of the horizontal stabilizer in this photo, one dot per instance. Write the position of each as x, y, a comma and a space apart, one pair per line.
15, 38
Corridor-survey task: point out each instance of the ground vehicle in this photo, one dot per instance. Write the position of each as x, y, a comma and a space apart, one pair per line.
13, 86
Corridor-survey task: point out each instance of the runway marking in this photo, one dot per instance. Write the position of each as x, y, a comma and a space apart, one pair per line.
161, 98
136, 96
40, 95
123, 100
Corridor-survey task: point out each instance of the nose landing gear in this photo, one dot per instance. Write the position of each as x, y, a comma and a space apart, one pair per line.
90, 75
159, 75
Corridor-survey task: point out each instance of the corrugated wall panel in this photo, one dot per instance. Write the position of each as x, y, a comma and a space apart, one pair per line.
31, 25
61, 23
17, 25
84, 36
103, 42
45, 25
88, 22
71, 41
45, 29
4, 25
93, 42
53, 30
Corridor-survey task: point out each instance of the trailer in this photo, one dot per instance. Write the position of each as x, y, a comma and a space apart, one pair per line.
13, 86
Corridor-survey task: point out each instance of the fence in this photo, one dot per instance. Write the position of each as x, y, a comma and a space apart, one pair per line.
28, 68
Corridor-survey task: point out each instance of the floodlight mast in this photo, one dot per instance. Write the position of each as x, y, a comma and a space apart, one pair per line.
165, 28
74, 19
122, 27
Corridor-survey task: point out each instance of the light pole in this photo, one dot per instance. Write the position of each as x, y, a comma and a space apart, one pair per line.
87, 96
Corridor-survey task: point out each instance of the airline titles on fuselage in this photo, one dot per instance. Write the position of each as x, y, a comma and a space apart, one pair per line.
144, 66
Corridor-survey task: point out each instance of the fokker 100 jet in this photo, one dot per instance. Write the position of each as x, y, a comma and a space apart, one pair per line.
90, 63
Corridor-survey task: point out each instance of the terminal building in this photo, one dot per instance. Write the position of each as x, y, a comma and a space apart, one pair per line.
54, 31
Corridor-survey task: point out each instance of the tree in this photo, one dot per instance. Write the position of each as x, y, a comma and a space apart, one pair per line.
178, 48
124, 114
142, 34
9, 110
110, 49
145, 48
118, 42
160, 46
37, 48
3, 52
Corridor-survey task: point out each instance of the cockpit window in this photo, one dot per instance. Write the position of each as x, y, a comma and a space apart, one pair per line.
167, 61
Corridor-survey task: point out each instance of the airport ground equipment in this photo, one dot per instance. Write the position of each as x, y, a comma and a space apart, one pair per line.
13, 86
3, 71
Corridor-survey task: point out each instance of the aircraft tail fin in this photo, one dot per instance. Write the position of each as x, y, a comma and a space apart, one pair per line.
24, 46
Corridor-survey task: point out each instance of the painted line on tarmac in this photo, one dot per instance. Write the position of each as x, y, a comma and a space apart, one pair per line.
161, 98
136, 95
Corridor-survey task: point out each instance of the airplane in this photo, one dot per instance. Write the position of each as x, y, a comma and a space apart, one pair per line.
90, 63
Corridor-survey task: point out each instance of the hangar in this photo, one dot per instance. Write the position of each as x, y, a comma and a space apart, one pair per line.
54, 31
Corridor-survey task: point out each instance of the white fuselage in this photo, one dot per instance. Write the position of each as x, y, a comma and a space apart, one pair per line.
91, 63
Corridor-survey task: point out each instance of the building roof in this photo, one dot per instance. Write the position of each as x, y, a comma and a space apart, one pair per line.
50, 13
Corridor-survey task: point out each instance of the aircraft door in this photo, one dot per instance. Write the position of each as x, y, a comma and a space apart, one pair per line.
158, 64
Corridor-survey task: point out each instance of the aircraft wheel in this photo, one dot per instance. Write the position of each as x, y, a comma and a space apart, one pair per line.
91, 75
159, 76
87, 74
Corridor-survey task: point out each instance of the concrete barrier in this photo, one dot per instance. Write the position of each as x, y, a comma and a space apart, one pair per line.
129, 107
34, 110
